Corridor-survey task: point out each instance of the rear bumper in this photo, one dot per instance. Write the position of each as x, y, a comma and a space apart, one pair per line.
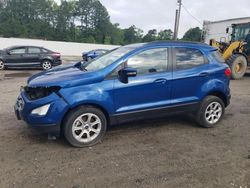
228, 100
57, 62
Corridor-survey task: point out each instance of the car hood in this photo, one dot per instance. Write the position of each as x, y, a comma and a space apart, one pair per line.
64, 76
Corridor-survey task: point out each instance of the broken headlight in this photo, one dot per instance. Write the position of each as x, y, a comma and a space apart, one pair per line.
35, 93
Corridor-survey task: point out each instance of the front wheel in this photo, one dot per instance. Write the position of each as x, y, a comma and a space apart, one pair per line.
2, 65
46, 65
211, 112
85, 126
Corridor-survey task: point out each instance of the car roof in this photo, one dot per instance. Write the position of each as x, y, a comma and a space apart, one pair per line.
20, 46
174, 43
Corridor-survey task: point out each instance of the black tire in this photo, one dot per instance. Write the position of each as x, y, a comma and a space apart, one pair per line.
201, 115
72, 117
238, 65
2, 66
46, 64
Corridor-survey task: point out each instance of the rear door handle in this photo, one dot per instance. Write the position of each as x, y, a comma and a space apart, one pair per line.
161, 80
203, 74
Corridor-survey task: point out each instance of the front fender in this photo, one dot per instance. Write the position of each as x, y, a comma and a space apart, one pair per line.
99, 94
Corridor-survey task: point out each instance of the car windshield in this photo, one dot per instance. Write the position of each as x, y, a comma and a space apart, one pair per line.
108, 58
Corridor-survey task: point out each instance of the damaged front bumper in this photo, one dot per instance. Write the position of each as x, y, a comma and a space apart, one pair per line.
48, 123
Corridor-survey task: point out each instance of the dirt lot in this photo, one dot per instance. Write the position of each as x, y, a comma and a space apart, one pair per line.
172, 152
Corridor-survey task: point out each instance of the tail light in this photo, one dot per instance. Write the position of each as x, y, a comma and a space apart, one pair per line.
228, 72
56, 55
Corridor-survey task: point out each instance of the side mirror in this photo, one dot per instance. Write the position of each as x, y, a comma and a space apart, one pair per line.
227, 30
125, 73
8, 52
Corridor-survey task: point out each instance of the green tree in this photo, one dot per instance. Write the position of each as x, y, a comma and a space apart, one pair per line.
193, 34
117, 34
166, 34
71, 20
150, 36
63, 17
132, 35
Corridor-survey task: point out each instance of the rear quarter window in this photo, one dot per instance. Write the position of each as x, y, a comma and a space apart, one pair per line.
187, 58
217, 56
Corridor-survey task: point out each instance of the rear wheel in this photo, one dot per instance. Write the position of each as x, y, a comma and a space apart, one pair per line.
85, 126
1, 65
211, 111
46, 65
238, 65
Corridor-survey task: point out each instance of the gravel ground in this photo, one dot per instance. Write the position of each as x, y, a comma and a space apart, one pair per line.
171, 152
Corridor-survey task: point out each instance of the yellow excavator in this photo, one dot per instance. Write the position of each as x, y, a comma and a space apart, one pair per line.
236, 52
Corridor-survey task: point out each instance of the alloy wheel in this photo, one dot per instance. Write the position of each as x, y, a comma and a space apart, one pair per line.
1, 65
213, 112
86, 127
46, 65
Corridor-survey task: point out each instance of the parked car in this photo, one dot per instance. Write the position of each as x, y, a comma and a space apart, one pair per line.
130, 83
88, 56
28, 57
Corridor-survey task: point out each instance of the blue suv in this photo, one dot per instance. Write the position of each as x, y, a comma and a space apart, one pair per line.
130, 83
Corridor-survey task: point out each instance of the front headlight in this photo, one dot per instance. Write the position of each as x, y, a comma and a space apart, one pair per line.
35, 93
41, 111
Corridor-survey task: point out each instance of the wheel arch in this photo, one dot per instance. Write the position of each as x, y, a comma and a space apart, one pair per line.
219, 94
239, 53
46, 59
104, 111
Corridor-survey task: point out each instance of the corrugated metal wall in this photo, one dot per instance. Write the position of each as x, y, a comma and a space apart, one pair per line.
65, 48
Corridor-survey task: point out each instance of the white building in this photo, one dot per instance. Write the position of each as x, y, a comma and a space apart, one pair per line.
217, 29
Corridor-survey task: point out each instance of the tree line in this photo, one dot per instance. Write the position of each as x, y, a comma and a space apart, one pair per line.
72, 21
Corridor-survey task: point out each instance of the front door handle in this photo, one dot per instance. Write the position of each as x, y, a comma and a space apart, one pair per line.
203, 74
161, 80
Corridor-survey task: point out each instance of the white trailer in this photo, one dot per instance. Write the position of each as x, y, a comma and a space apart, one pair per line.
217, 29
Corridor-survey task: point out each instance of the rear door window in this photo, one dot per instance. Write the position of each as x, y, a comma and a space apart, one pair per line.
33, 50
187, 58
44, 50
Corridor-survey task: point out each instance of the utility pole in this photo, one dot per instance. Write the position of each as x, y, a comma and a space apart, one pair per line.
177, 19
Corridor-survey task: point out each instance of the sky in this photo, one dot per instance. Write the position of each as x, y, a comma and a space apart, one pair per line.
160, 14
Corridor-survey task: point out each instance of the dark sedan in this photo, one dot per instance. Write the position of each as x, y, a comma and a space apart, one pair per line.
29, 57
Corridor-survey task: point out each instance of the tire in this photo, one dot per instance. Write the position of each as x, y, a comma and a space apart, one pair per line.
46, 65
238, 65
210, 112
84, 126
1, 65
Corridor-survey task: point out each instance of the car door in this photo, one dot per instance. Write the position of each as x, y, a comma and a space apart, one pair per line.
33, 56
191, 71
149, 90
15, 57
